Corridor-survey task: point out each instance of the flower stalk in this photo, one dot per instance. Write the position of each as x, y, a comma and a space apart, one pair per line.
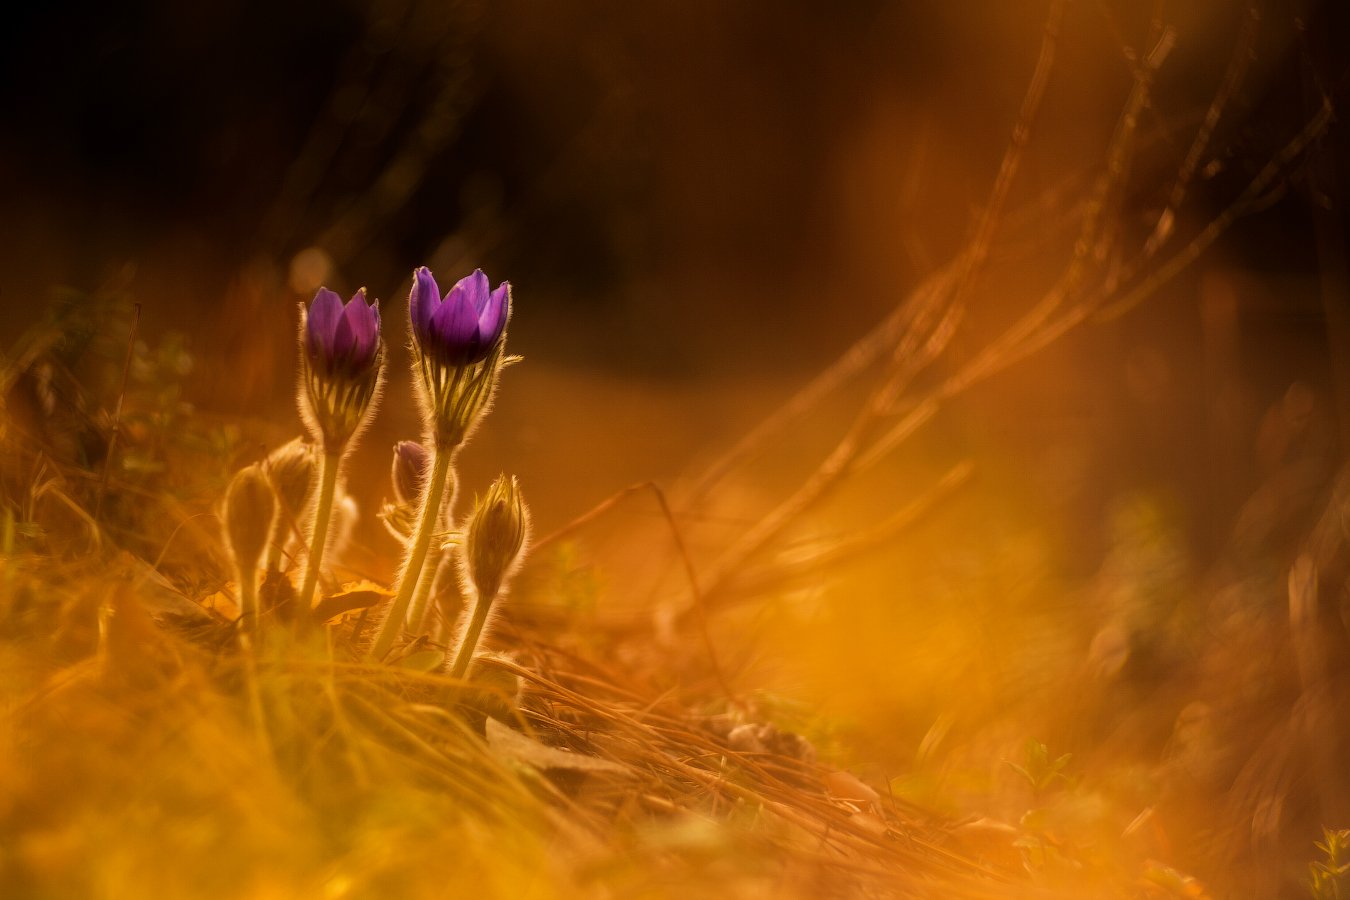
323, 514
469, 643
458, 347
421, 601
341, 373
492, 550
428, 521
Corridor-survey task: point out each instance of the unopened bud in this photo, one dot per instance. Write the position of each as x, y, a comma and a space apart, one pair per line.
341, 366
291, 470
496, 536
411, 462
247, 512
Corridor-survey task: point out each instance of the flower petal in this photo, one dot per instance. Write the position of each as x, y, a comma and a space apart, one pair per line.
495, 315
455, 326
321, 322
344, 343
363, 323
478, 288
423, 302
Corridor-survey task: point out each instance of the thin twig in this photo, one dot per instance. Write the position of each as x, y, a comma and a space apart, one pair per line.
696, 593
588, 517
820, 560
1232, 80
691, 573
983, 240
1253, 192
932, 330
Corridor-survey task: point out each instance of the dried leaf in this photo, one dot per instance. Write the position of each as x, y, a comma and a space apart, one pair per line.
428, 660
512, 745
354, 595
844, 786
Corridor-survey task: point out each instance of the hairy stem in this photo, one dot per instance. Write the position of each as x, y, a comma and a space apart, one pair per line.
420, 607
427, 523
323, 512
417, 610
276, 539
471, 636
248, 597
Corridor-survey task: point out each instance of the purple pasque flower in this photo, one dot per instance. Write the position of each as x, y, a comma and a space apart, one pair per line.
462, 327
340, 339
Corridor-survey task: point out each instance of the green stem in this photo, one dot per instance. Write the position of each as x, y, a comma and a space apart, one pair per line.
470, 642
427, 524
323, 511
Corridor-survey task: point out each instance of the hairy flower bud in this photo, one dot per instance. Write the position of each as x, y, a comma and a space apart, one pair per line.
463, 326
291, 470
459, 344
496, 536
342, 340
247, 512
341, 361
411, 462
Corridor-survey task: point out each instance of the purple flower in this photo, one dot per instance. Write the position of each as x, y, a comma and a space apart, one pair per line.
342, 340
461, 328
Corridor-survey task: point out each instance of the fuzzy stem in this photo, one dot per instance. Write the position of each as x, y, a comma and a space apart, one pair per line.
276, 539
417, 610
323, 511
420, 607
470, 643
248, 597
427, 523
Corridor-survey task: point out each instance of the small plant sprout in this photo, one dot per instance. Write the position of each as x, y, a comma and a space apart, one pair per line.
1329, 877
248, 510
409, 474
290, 469
492, 550
458, 344
341, 371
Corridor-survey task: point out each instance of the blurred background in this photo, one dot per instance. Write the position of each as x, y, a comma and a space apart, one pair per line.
701, 205
687, 196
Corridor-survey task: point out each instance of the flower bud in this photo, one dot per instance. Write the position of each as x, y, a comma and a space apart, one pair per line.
462, 327
459, 345
496, 536
399, 520
411, 462
341, 366
247, 513
291, 470
342, 340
